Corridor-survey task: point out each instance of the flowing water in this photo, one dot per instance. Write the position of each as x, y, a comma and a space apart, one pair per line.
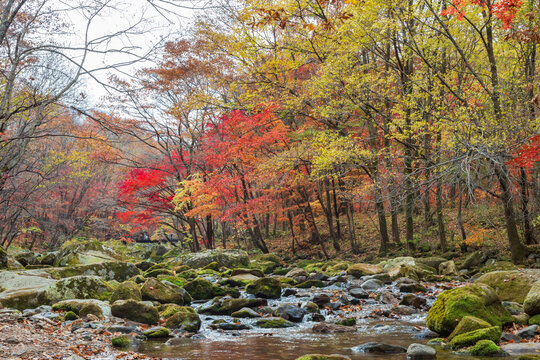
290, 343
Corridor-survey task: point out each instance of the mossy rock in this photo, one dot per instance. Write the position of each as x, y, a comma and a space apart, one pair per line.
184, 318
70, 315
535, 320
267, 288
136, 311
531, 305
155, 290
157, 333
433, 261
200, 289
484, 348
245, 313
212, 266
267, 267
468, 324
311, 283
157, 272
227, 306
83, 307
225, 258
91, 309
323, 357
351, 321
511, 285
476, 300
254, 272
127, 290
407, 271
110, 270
470, 338
273, 323
173, 279
359, 270
121, 341
498, 266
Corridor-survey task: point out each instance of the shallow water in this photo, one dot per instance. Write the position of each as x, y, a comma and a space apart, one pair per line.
290, 343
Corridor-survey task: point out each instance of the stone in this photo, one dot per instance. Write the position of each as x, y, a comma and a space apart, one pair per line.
477, 300
511, 285
403, 310
372, 285
272, 323
228, 258
266, 288
510, 337
407, 271
244, 277
413, 300
421, 352
484, 348
386, 297
534, 320
109, 270
127, 290
135, 311
255, 272
531, 303
358, 293
311, 283
474, 259
245, 313
321, 299
375, 347
412, 288
155, 290
448, 268
468, 324
290, 312
529, 332
201, 289
226, 306
157, 332
295, 272
327, 328
122, 341
389, 264
513, 308
311, 307
185, 318
470, 338
83, 307
517, 349
359, 270
432, 262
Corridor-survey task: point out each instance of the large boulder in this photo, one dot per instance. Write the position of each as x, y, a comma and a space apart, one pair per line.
201, 289
230, 259
477, 300
81, 306
492, 333
448, 268
51, 291
267, 288
359, 270
226, 306
110, 270
184, 318
127, 290
531, 305
392, 263
135, 311
155, 290
511, 285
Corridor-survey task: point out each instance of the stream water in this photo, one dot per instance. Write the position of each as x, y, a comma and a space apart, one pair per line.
290, 343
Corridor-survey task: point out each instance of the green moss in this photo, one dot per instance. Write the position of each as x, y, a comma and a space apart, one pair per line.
63, 306
477, 300
347, 322
311, 283
70, 315
135, 311
184, 318
468, 324
267, 288
535, 320
157, 333
212, 266
468, 339
173, 279
509, 285
484, 348
272, 323
436, 341
201, 289
121, 341
126, 290
155, 290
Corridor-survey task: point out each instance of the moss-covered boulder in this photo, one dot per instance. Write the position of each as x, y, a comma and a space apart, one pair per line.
531, 304
155, 290
273, 323
111, 270
389, 264
432, 262
534, 320
484, 348
448, 268
511, 285
474, 259
311, 283
157, 333
230, 258
184, 318
135, 311
323, 357
121, 342
267, 288
468, 324
255, 272
245, 313
125, 291
226, 306
359, 270
405, 271
471, 338
476, 300
201, 289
